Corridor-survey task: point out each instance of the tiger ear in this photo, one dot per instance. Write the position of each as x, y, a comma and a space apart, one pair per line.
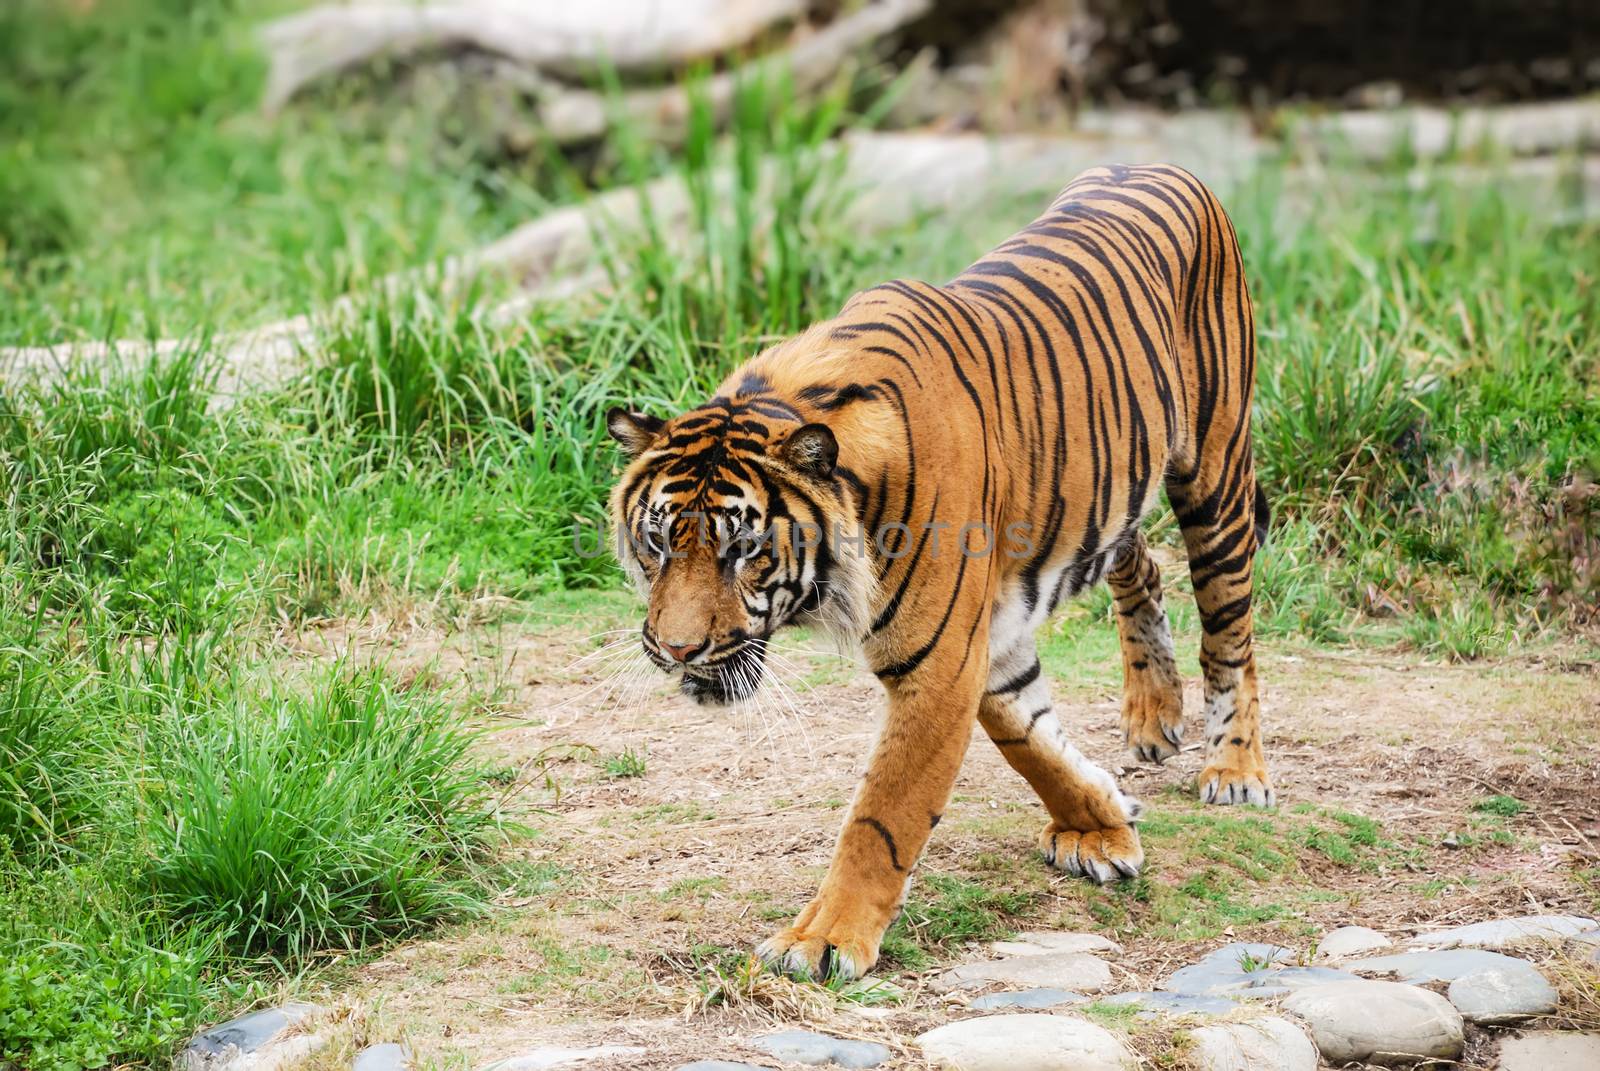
634, 431
812, 449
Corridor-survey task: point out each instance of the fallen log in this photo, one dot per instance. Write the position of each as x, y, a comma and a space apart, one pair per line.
891, 178
661, 115
571, 39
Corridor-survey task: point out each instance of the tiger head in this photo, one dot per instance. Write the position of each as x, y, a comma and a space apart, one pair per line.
729, 519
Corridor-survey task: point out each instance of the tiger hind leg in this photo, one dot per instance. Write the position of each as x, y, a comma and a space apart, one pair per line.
1152, 689
1091, 831
1219, 521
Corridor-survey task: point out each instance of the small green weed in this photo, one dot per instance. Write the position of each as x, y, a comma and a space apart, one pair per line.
626, 763
1500, 805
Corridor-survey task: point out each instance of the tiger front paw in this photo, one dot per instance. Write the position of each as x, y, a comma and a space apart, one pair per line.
1152, 720
828, 940
1237, 776
1101, 855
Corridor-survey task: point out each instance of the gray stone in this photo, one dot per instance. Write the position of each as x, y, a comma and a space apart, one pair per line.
1221, 970
251, 1032
1027, 998
1502, 933
718, 1065
1256, 1045
1349, 941
1284, 979
1222, 974
1033, 944
557, 1058
1503, 994
1025, 1043
254, 1040
809, 1047
1378, 1022
1059, 970
386, 1057
1174, 1003
1550, 1051
1444, 965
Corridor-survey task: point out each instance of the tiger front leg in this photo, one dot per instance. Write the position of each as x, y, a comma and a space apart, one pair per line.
1091, 831
900, 800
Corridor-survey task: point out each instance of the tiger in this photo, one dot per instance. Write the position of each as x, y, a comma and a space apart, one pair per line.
928, 475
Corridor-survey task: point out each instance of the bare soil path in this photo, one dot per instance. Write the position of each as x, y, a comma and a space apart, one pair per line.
667, 839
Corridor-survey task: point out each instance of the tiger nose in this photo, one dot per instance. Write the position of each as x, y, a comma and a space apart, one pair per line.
683, 651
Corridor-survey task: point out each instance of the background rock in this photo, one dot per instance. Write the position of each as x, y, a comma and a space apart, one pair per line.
1503, 994
1267, 1042
1378, 1022
809, 1047
1025, 1043
1349, 941
1060, 970
1501, 933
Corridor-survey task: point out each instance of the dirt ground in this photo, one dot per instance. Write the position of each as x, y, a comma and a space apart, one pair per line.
1413, 795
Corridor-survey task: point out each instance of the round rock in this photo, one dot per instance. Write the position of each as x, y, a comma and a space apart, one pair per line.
259, 1038
1249, 971
1502, 933
1268, 1042
1503, 994
810, 1047
1174, 1003
1025, 1043
1378, 1022
1027, 998
385, 1057
1444, 965
1349, 941
1225, 969
1034, 944
1550, 1051
1054, 970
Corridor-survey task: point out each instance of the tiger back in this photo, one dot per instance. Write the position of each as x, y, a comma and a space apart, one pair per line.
962, 458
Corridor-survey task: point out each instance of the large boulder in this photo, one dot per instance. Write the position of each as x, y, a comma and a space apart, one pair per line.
1378, 1022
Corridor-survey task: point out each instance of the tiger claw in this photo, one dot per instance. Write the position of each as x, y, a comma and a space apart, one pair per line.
1101, 855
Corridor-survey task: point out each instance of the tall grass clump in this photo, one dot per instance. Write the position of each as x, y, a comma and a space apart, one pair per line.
765, 254
1425, 404
114, 489
50, 787
322, 820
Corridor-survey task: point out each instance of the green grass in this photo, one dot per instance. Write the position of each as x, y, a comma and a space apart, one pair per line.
945, 911
625, 763
1209, 873
146, 193
180, 830
176, 827
1500, 806
340, 818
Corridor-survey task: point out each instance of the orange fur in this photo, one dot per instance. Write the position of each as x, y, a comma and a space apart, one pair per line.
1046, 392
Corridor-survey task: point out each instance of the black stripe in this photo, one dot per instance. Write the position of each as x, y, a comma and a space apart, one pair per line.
888, 840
